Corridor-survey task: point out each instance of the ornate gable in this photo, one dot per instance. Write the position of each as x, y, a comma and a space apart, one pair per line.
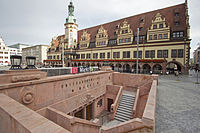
124, 33
159, 31
101, 37
85, 40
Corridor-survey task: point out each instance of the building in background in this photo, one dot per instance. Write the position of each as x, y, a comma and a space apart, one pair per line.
39, 51
19, 46
196, 57
164, 42
54, 53
6, 52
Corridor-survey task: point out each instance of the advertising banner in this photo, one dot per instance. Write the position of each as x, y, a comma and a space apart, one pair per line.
74, 70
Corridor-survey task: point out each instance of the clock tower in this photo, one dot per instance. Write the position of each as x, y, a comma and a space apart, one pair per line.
71, 28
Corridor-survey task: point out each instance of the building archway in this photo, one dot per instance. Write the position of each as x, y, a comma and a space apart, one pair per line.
83, 64
112, 66
126, 68
99, 65
92, 64
75, 64
134, 68
79, 64
146, 68
157, 69
88, 65
68, 64
118, 67
174, 66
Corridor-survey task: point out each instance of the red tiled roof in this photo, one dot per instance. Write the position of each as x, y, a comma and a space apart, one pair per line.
134, 22
58, 39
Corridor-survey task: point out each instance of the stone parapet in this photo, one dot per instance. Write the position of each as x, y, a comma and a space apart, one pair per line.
14, 76
135, 125
16, 118
150, 109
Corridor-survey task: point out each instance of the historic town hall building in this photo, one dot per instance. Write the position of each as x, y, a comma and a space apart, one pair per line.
164, 42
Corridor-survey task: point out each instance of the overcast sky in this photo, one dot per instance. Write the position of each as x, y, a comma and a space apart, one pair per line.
37, 21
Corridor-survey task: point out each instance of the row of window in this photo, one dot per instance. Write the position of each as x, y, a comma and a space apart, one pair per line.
83, 45
178, 34
155, 26
112, 42
175, 53
124, 31
101, 43
1, 57
2, 48
158, 36
4, 52
54, 57
124, 40
102, 35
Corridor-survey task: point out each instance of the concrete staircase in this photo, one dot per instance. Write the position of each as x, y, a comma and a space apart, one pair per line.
124, 110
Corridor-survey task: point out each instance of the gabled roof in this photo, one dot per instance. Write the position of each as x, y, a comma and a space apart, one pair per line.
134, 21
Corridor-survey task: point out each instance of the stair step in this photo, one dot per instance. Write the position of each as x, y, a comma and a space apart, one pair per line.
128, 97
127, 102
123, 114
121, 118
126, 106
123, 99
129, 107
121, 111
125, 110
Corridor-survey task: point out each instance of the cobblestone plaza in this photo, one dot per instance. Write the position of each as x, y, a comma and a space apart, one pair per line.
178, 105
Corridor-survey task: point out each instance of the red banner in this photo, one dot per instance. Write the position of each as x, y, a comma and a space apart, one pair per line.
74, 70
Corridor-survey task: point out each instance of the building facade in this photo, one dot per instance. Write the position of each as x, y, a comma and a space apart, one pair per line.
39, 51
19, 46
6, 52
196, 56
164, 42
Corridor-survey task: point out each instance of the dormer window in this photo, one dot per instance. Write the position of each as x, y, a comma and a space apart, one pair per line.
142, 21
155, 26
176, 14
160, 26
117, 27
177, 23
141, 28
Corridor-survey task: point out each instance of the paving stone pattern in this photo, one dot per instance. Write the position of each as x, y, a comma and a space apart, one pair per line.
178, 105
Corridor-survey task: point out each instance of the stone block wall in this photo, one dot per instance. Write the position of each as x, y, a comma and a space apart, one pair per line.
37, 94
16, 118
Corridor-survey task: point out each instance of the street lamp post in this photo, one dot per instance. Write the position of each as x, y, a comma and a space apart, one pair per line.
63, 55
137, 50
185, 39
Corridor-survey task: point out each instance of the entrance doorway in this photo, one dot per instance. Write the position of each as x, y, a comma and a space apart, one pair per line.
89, 112
79, 114
110, 102
172, 66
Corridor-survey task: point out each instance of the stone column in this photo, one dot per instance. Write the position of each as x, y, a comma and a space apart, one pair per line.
84, 113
